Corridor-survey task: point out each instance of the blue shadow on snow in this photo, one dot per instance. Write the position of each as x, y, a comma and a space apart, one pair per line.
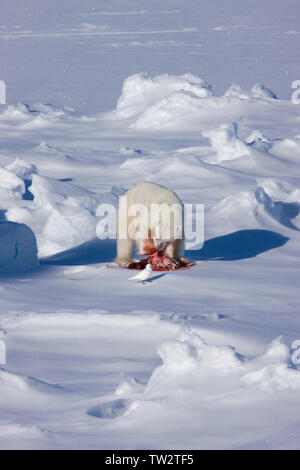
237, 245
91, 252
234, 246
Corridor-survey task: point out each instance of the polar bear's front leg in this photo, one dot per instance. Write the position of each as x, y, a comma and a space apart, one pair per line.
175, 249
124, 251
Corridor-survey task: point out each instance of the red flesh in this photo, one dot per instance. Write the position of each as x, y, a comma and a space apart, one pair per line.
160, 262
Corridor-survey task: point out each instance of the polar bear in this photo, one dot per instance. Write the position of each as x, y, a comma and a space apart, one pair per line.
152, 217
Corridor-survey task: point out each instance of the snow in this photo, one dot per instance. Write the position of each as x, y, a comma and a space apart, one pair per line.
141, 92
22, 169
18, 248
188, 98
225, 143
10, 185
66, 213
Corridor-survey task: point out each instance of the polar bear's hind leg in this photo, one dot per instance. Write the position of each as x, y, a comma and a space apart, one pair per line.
124, 251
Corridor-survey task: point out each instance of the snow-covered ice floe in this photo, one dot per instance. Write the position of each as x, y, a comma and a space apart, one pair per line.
167, 102
61, 214
18, 250
190, 396
87, 368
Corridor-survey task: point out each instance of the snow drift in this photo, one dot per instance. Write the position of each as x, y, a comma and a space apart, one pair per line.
61, 214
202, 387
190, 363
18, 251
22, 168
141, 91
272, 197
11, 185
225, 144
180, 102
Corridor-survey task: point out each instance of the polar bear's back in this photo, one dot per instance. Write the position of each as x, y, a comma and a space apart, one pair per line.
151, 193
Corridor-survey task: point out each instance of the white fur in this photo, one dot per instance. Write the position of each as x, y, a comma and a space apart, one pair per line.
161, 236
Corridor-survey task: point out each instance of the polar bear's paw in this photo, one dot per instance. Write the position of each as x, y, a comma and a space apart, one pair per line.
125, 262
